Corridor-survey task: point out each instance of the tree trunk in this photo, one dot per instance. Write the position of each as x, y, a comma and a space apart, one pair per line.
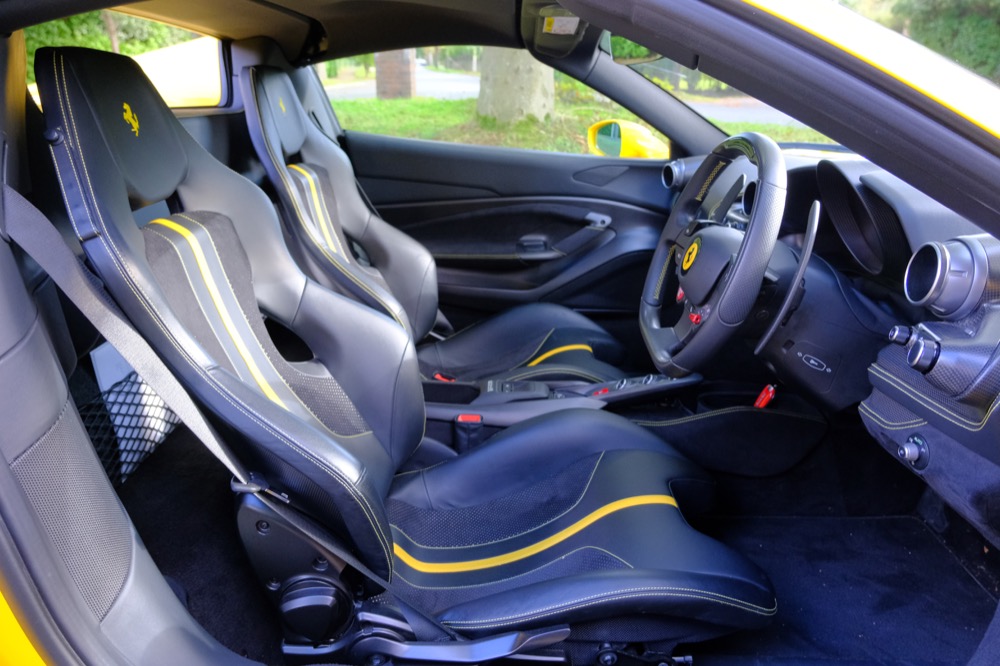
112, 27
514, 86
396, 74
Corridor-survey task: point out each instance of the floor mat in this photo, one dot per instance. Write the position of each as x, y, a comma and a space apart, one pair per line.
854, 591
181, 505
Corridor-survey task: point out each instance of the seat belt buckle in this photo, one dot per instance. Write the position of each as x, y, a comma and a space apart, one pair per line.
765, 397
468, 430
441, 377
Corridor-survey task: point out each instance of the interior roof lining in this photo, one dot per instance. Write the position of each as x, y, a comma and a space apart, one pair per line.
352, 26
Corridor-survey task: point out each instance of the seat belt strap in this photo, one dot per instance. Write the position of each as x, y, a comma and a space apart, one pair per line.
32, 231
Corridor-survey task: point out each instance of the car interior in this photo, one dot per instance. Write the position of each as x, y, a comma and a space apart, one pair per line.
278, 391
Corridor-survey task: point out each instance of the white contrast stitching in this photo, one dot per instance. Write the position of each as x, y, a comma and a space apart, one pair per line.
616, 596
579, 499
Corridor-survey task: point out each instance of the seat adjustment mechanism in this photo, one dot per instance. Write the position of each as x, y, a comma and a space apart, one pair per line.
462, 652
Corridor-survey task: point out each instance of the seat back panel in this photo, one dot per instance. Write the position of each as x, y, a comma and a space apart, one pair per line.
322, 206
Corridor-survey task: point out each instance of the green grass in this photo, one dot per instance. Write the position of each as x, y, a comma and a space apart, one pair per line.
456, 121
780, 133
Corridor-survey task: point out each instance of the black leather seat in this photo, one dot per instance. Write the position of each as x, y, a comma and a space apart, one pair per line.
572, 518
330, 221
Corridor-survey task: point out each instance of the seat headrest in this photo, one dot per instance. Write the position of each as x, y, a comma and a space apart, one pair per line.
277, 94
139, 128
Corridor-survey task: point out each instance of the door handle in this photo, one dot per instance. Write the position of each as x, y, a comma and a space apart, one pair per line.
536, 247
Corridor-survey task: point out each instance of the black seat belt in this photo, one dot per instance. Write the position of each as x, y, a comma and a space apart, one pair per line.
34, 233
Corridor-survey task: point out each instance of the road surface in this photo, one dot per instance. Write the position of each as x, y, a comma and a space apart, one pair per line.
440, 85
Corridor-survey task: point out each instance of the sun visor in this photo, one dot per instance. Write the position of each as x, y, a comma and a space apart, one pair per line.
139, 129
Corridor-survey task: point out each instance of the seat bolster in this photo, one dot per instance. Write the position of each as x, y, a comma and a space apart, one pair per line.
719, 597
385, 388
531, 450
409, 270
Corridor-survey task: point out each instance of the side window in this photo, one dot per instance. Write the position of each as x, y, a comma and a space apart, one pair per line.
184, 66
485, 96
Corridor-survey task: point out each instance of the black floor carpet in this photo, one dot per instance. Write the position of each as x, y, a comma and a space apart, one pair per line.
854, 591
181, 505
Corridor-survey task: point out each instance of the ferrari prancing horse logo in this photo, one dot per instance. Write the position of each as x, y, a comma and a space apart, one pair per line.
131, 118
690, 255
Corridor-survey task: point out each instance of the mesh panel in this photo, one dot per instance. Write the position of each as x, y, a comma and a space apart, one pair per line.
499, 519
126, 423
78, 510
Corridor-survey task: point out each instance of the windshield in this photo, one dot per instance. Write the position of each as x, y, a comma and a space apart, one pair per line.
903, 38
946, 50
726, 107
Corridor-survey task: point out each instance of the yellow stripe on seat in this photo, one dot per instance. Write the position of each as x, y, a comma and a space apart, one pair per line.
324, 224
559, 350
227, 320
534, 549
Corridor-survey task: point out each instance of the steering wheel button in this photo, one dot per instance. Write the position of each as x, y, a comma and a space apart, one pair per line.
680, 294
695, 317
602, 391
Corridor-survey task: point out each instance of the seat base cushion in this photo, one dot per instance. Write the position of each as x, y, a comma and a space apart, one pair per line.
569, 528
541, 341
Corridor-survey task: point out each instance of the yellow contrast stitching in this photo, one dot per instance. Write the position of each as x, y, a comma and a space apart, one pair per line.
886, 424
663, 271
930, 403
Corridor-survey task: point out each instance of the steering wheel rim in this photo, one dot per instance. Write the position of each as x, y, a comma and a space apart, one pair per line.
725, 285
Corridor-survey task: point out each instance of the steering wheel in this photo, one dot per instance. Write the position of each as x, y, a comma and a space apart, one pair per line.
720, 269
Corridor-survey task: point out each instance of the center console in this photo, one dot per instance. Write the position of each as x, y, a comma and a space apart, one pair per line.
498, 403
722, 426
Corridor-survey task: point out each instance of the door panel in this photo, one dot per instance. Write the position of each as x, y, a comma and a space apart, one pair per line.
395, 171
514, 226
